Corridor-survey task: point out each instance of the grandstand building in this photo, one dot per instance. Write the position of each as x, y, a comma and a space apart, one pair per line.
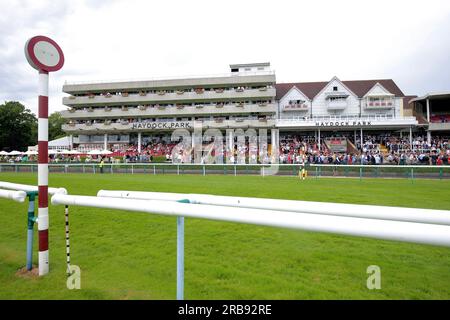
338, 116
116, 114
330, 112
433, 113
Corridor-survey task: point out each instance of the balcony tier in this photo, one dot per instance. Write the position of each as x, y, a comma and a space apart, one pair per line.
337, 105
260, 78
101, 128
378, 105
132, 112
173, 97
295, 107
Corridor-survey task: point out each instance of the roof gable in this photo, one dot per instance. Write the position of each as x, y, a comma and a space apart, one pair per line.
378, 89
296, 90
309, 89
359, 87
335, 79
362, 87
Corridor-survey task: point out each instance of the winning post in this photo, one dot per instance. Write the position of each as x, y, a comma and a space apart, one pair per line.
44, 55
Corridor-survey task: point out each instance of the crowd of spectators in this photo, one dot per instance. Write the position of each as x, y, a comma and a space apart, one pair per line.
294, 149
382, 149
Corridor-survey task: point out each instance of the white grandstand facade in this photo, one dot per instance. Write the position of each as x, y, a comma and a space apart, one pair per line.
118, 113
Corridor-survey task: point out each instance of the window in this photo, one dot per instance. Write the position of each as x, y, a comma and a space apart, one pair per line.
248, 69
334, 99
297, 101
234, 70
335, 88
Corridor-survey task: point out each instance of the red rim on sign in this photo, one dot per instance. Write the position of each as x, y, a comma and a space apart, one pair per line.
44, 54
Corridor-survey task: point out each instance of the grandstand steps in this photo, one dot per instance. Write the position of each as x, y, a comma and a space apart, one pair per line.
351, 148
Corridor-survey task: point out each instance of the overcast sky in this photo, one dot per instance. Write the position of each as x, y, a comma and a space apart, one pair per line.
408, 41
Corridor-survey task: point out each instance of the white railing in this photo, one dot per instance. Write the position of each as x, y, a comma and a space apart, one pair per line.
230, 165
18, 196
337, 104
315, 171
28, 188
295, 107
378, 117
422, 226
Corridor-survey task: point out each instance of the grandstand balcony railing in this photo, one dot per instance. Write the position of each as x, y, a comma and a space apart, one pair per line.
182, 77
442, 126
337, 104
295, 107
192, 96
196, 109
354, 117
378, 105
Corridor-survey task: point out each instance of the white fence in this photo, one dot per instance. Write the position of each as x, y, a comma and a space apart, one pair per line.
422, 226
314, 170
388, 223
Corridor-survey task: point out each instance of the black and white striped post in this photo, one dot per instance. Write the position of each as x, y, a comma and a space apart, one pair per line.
66, 215
44, 55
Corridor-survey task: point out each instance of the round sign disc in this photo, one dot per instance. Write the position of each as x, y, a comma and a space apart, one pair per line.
44, 54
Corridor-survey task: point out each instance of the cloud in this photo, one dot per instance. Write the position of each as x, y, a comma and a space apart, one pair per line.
304, 41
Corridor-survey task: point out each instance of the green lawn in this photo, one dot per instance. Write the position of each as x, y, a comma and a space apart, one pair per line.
126, 255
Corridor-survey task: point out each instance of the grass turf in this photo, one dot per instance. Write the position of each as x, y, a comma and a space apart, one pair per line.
132, 255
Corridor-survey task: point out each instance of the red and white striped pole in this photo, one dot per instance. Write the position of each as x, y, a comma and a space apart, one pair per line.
43, 172
44, 55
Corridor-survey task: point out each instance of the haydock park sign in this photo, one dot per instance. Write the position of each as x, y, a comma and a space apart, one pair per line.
355, 123
169, 125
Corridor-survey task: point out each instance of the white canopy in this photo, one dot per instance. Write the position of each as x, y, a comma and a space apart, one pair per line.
71, 152
3, 153
15, 153
31, 153
94, 152
60, 143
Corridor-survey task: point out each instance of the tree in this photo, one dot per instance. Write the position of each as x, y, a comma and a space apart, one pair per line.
18, 126
55, 122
